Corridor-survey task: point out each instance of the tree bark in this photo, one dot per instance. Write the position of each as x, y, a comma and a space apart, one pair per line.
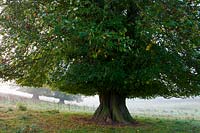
35, 97
61, 101
112, 109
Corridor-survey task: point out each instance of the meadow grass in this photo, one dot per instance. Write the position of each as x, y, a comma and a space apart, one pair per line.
31, 121
28, 116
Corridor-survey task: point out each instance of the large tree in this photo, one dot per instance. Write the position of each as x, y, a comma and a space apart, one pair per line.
117, 49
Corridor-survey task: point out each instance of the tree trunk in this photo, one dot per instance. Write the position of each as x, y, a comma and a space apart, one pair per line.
112, 109
61, 101
35, 97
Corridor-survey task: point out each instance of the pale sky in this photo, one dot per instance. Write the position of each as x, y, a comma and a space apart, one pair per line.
8, 89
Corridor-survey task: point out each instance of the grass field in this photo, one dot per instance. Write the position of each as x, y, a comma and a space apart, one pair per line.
21, 119
20, 115
15, 119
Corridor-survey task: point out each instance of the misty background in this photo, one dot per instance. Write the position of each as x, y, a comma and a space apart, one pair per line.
93, 101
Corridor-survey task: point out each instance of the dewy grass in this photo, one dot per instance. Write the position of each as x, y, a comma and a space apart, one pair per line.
51, 118
43, 121
21, 107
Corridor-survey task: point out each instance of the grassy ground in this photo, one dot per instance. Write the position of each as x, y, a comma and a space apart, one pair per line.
19, 115
21, 120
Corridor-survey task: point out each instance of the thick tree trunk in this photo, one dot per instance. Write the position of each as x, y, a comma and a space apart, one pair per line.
112, 109
35, 97
61, 101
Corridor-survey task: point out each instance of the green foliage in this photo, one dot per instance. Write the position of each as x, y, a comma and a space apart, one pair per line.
53, 111
29, 129
21, 107
10, 109
23, 117
136, 48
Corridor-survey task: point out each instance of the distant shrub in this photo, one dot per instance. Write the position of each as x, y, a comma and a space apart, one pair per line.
10, 109
29, 129
53, 111
21, 107
23, 117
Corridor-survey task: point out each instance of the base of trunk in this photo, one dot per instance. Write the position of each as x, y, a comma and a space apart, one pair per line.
35, 97
61, 101
112, 109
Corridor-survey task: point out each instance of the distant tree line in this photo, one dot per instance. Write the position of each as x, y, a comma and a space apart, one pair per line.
49, 93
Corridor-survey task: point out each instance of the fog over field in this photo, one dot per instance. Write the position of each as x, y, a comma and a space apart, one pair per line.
10, 88
174, 108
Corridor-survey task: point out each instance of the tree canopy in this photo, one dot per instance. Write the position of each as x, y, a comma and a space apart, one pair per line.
141, 48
